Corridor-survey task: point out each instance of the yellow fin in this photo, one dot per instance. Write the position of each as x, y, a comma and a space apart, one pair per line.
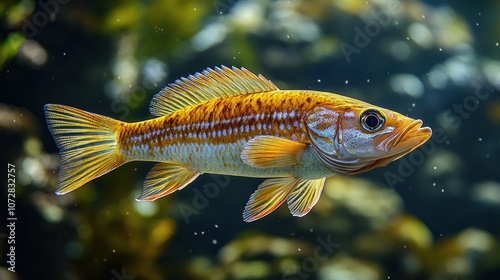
269, 151
305, 196
87, 144
165, 178
270, 194
208, 85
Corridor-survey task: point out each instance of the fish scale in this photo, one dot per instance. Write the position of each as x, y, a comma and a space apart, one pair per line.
233, 122
207, 142
194, 127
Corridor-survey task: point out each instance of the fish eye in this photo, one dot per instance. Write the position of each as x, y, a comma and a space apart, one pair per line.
372, 120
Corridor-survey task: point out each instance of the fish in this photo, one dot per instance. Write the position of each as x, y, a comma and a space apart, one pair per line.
230, 121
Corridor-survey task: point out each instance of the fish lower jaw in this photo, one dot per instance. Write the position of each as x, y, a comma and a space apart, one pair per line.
413, 135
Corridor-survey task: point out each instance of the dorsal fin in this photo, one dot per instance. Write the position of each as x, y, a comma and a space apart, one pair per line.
208, 85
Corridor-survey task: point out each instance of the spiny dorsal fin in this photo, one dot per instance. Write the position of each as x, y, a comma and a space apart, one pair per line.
208, 85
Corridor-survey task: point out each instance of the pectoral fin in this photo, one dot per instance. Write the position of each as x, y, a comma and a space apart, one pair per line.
305, 196
270, 194
165, 178
270, 151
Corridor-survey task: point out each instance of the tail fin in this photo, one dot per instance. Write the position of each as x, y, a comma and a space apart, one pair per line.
87, 143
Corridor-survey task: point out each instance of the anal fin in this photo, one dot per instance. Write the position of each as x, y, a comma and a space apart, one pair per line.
269, 151
305, 196
165, 178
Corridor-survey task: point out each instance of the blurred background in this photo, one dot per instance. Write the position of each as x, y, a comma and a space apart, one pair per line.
433, 214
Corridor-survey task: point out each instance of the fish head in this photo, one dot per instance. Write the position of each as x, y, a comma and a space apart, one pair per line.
359, 137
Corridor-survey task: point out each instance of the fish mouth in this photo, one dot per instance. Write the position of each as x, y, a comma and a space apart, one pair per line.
393, 145
404, 141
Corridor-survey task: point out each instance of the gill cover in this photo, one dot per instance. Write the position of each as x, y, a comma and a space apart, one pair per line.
323, 125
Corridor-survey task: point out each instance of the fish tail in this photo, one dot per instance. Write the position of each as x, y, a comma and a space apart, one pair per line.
88, 145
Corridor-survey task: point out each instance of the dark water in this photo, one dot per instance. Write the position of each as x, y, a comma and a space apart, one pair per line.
433, 214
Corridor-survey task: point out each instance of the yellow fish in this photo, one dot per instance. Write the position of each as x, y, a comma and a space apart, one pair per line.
231, 121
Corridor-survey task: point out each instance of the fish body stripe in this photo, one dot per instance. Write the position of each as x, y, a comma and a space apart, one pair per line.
219, 122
